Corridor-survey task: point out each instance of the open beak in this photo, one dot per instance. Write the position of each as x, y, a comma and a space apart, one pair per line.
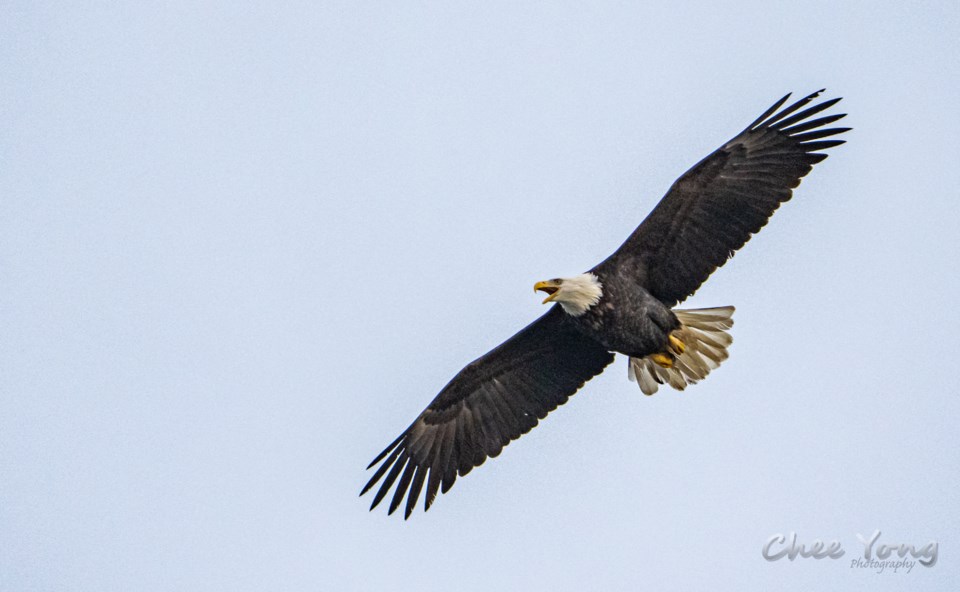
550, 288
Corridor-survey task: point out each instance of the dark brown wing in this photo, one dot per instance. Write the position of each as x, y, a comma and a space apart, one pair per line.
716, 206
491, 402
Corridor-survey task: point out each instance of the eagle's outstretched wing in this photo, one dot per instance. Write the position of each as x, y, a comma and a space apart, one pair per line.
491, 402
716, 206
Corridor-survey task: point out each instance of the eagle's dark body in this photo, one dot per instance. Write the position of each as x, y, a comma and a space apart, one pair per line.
628, 319
708, 213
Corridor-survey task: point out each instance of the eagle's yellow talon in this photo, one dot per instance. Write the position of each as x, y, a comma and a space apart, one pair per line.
677, 345
663, 360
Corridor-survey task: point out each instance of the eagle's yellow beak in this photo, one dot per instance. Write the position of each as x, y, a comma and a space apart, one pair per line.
550, 287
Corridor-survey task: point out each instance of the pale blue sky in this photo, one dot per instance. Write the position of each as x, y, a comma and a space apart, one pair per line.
242, 246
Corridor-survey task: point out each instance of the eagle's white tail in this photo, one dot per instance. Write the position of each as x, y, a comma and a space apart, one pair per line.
703, 332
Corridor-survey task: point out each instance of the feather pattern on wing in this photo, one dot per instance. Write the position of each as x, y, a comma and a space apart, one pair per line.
491, 402
716, 206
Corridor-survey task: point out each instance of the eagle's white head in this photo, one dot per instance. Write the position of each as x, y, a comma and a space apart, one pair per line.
576, 295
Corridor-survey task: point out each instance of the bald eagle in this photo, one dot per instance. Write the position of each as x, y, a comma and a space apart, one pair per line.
625, 305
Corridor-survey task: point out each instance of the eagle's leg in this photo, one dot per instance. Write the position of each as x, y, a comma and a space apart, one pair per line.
675, 348
663, 359
678, 346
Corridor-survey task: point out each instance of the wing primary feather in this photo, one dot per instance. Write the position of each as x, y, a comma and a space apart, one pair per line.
821, 145
451, 468
440, 459
386, 451
813, 123
433, 462
805, 114
772, 122
449, 477
385, 486
383, 469
415, 488
447, 467
402, 486
769, 111
469, 440
820, 133
433, 486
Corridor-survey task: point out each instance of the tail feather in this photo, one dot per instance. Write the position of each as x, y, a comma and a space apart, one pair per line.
704, 333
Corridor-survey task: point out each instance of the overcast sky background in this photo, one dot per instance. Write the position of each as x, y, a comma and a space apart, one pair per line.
242, 246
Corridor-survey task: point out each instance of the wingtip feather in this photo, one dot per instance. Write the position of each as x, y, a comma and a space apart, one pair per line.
386, 451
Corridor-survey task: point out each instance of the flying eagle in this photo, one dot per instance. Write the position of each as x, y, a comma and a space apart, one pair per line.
623, 305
